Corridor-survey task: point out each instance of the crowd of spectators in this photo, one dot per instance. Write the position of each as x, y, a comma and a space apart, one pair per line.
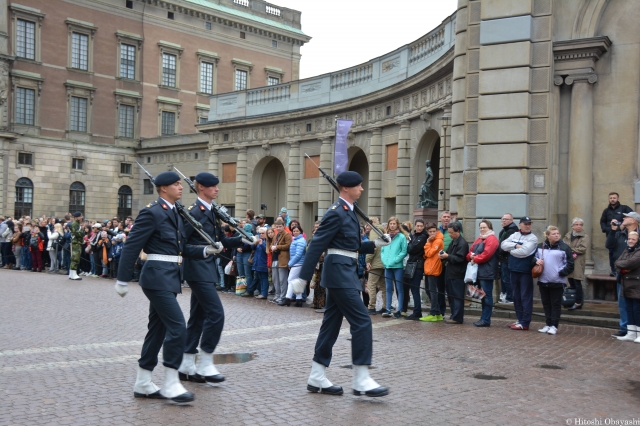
430, 256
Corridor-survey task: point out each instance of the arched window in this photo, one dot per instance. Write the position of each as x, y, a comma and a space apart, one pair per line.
125, 200
76, 198
24, 198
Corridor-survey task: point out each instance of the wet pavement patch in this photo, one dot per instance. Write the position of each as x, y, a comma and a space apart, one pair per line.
234, 358
488, 377
550, 366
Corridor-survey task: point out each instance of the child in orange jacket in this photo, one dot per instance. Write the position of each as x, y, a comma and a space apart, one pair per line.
432, 270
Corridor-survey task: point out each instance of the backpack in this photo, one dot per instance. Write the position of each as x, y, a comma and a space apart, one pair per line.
59, 242
33, 242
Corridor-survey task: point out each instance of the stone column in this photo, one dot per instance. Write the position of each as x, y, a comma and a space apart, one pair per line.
3, 197
375, 174
213, 162
403, 182
581, 153
324, 189
293, 180
241, 182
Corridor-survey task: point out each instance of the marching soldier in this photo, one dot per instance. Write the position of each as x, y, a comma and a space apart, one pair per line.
160, 232
206, 318
77, 235
339, 235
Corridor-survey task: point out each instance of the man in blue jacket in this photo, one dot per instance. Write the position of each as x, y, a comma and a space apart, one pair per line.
339, 236
206, 318
160, 232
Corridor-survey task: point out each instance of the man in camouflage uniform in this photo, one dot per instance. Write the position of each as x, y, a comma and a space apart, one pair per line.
77, 235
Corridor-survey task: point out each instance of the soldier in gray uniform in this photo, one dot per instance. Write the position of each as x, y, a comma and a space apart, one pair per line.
160, 232
339, 235
206, 318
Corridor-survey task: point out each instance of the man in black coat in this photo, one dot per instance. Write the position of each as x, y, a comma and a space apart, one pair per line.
206, 318
508, 229
614, 211
456, 258
339, 235
160, 232
415, 250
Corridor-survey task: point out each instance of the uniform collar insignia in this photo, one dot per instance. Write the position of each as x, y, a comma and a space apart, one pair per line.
345, 207
164, 206
202, 208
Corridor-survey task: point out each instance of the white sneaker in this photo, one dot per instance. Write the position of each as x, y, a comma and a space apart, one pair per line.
552, 330
502, 297
544, 329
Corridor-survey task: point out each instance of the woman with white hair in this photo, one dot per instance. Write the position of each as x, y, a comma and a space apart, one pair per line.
578, 242
52, 246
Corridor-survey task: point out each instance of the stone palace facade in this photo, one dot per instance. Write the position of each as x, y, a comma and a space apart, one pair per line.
525, 106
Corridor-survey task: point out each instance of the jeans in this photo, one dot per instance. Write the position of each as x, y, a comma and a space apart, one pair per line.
622, 308
522, 286
414, 285
577, 284
456, 291
26, 258
612, 261
260, 282
244, 268
434, 295
93, 264
393, 277
633, 311
551, 297
505, 280
105, 268
487, 301
442, 288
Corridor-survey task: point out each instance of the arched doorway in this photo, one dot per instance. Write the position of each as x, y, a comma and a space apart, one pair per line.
24, 198
269, 187
125, 201
428, 149
359, 163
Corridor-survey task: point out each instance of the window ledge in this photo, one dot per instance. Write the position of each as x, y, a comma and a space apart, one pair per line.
78, 70
28, 166
204, 94
125, 175
31, 61
84, 172
128, 80
162, 86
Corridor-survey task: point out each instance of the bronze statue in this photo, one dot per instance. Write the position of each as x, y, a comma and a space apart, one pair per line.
428, 197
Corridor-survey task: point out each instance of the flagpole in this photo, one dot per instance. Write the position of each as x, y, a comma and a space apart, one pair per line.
333, 157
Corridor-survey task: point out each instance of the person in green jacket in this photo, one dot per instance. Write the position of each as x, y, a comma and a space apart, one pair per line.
392, 259
77, 234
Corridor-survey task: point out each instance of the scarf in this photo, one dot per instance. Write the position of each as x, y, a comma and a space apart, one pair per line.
392, 234
487, 234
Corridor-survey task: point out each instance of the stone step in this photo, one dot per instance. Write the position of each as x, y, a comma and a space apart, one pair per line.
595, 319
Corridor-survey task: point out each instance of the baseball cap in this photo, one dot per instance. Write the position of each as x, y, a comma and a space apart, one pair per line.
633, 215
261, 216
525, 219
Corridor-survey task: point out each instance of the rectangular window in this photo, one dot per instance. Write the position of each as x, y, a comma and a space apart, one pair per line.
78, 122
242, 34
308, 127
127, 61
241, 80
125, 121
148, 186
206, 77
310, 169
170, 15
207, 25
168, 70
229, 172
389, 110
26, 39
274, 43
202, 120
225, 137
80, 51
77, 163
129, 4
25, 159
25, 106
76, 199
168, 123
272, 81
125, 168
392, 156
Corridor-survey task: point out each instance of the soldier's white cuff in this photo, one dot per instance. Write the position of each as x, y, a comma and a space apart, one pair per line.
122, 283
204, 251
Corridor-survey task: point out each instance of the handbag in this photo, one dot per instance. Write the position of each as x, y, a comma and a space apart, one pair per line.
537, 269
410, 270
475, 292
250, 259
241, 285
569, 297
472, 273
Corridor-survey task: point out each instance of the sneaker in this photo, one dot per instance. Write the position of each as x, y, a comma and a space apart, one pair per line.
515, 323
260, 297
397, 315
404, 314
503, 297
519, 327
412, 317
429, 318
508, 302
544, 329
386, 314
372, 311
552, 330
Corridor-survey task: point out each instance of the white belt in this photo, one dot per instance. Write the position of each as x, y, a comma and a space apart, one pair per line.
347, 253
165, 258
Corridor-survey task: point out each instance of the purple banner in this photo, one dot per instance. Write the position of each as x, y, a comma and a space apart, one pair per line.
341, 158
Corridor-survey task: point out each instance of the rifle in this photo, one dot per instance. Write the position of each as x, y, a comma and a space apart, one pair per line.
356, 209
185, 214
219, 212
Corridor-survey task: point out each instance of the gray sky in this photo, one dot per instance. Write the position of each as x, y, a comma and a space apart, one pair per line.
347, 32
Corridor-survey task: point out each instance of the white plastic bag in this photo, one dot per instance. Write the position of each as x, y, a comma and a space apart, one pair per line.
227, 269
472, 273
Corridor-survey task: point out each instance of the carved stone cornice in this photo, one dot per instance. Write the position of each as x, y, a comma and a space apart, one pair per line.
574, 60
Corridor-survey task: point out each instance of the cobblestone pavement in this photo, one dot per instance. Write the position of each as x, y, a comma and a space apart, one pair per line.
68, 355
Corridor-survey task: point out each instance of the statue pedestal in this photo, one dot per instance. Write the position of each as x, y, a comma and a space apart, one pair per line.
427, 214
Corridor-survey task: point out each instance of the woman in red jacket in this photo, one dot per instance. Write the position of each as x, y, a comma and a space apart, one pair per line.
484, 252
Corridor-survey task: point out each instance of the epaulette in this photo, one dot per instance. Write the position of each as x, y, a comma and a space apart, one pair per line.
153, 203
190, 207
335, 206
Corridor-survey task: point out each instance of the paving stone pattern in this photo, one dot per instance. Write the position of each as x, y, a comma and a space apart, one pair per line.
68, 354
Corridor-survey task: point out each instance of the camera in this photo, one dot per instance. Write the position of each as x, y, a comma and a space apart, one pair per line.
615, 222
263, 206
441, 251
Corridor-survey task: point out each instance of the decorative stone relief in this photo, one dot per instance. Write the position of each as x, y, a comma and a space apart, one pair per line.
265, 133
390, 64
440, 90
369, 115
256, 134
414, 100
378, 113
310, 88
245, 135
425, 97
287, 129
318, 125
235, 136
448, 83
396, 107
359, 117
405, 104
4, 94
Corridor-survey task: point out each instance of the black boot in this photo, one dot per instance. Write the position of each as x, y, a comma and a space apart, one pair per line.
285, 302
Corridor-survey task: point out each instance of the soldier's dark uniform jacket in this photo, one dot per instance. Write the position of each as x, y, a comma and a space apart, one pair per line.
205, 269
339, 229
157, 230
